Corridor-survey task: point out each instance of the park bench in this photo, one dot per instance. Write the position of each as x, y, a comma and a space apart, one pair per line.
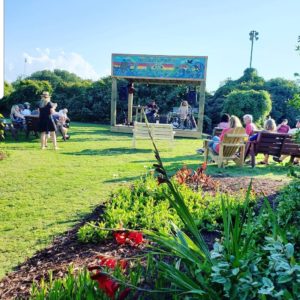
232, 144
275, 144
158, 131
32, 125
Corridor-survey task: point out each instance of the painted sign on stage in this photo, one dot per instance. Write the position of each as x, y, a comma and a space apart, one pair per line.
190, 68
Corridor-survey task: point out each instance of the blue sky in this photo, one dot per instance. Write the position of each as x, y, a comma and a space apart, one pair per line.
80, 35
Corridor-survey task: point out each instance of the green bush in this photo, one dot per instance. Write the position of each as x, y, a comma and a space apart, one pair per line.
256, 103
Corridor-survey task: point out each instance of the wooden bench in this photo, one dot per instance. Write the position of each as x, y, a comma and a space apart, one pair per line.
158, 131
232, 143
32, 125
275, 144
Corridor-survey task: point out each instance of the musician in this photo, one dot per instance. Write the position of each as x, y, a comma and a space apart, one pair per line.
151, 111
183, 112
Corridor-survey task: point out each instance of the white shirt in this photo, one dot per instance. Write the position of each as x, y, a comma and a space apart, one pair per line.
26, 112
294, 130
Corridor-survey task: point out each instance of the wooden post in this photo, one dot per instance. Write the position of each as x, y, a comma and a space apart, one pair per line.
113, 105
201, 107
130, 104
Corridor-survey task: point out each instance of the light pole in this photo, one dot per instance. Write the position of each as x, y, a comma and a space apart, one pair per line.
253, 35
25, 62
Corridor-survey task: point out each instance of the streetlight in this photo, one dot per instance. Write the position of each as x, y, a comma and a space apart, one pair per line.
25, 62
253, 35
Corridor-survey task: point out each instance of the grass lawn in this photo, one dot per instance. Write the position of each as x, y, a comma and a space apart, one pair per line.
44, 193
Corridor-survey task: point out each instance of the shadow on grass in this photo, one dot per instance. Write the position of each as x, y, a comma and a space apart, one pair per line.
126, 179
109, 151
176, 159
236, 171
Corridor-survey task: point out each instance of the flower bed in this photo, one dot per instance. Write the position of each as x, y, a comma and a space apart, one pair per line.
145, 205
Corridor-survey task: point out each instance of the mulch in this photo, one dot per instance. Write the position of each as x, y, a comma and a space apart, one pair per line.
66, 250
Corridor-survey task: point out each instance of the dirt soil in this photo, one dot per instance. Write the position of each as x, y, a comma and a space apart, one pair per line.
66, 250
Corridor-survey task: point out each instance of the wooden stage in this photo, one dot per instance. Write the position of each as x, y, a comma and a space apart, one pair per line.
178, 132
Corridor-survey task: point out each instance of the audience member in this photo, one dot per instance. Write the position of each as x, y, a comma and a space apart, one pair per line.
62, 123
292, 131
250, 126
269, 126
55, 114
225, 121
283, 127
26, 111
16, 117
214, 144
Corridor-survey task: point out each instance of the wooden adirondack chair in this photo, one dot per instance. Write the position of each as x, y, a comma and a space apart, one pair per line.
233, 143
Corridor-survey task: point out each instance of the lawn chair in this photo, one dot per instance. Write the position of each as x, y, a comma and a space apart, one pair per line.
231, 148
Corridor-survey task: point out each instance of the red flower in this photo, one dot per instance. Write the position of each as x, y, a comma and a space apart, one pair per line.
135, 237
121, 237
124, 294
106, 284
110, 263
122, 263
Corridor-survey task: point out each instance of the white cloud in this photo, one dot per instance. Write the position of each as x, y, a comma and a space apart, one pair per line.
45, 59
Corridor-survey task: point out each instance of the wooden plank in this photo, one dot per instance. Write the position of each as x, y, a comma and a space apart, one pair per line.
201, 107
113, 105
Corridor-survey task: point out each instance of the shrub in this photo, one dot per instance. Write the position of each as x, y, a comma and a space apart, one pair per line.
256, 103
144, 206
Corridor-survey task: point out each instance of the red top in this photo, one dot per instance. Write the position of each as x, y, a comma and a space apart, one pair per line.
224, 131
250, 128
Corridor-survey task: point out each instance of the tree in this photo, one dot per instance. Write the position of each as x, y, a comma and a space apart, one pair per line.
8, 89
28, 91
55, 77
281, 91
256, 103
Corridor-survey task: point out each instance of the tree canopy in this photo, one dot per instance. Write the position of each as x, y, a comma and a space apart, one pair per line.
90, 101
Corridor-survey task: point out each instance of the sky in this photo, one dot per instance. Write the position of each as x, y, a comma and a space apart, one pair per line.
80, 35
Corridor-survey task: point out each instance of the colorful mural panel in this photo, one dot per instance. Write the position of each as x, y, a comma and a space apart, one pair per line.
192, 68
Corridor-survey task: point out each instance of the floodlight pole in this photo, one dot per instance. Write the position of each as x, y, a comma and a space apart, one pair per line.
253, 35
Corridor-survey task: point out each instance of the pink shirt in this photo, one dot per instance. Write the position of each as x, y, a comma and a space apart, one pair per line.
224, 131
250, 128
224, 125
283, 128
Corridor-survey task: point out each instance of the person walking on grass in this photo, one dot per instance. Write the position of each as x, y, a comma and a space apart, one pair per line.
46, 122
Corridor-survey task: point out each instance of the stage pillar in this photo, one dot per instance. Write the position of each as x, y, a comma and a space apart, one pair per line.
113, 106
201, 107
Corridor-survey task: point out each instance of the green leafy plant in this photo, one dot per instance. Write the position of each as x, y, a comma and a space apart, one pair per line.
72, 286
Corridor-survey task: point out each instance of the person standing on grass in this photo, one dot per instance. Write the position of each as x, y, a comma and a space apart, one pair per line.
46, 122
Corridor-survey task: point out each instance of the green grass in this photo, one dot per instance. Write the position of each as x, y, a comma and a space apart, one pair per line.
44, 193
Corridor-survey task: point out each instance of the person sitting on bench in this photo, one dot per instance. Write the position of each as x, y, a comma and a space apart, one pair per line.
62, 123
292, 131
17, 118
